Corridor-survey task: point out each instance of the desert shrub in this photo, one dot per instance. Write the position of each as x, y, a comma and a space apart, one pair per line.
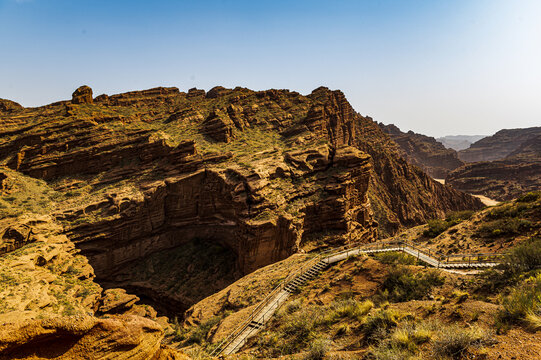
513, 210
401, 284
298, 329
436, 227
293, 306
504, 226
455, 342
388, 352
343, 329
395, 257
404, 341
456, 217
377, 325
523, 304
460, 296
197, 353
524, 257
200, 333
529, 197
523, 260
351, 308
318, 349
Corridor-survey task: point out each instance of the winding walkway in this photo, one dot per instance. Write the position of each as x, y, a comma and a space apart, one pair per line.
268, 306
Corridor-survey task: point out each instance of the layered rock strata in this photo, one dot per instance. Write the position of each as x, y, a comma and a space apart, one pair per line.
130, 177
504, 179
424, 151
499, 145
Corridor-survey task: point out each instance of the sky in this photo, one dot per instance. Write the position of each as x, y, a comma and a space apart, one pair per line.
443, 67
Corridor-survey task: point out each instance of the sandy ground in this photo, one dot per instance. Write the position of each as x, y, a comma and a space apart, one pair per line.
484, 199
487, 201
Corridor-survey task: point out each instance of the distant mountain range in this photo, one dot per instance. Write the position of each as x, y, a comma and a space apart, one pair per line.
459, 142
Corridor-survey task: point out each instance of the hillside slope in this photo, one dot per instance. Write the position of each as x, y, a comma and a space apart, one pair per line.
173, 196
504, 179
424, 151
499, 145
388, 305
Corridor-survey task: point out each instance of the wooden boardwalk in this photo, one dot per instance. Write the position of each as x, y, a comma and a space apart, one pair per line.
266, 309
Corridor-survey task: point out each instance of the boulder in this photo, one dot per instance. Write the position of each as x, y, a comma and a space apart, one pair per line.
116, 301
14, 237
83, 95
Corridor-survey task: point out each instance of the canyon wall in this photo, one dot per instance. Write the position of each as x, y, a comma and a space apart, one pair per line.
499, 145
424, 151
138, 180
503, 179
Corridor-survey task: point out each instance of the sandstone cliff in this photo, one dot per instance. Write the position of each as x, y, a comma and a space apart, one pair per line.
240, 178
49, 304
402, 194
499, 145
424, 152
503, 179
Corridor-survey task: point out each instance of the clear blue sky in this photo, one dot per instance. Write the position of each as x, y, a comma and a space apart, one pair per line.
436, 67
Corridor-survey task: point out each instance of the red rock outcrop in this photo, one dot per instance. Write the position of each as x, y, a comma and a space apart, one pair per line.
499, 145
424, 152
504, 179
259, 173
120, 337
83, 95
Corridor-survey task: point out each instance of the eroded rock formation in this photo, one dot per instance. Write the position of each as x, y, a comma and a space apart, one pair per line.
83, 95
424, 152
122, 337
459, 142
8, 106
136, 176
503, 179
499, 145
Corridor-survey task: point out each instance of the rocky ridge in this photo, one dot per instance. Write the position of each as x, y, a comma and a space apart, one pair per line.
261, 174
499, 145
424, 152
503, 179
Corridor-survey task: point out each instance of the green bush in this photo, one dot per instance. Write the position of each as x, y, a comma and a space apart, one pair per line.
529, 197
524, 257
395, 257
455, 342
504, 226
402, 285
523, 302
436, 227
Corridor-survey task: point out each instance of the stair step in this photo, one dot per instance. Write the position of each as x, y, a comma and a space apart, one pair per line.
256, 325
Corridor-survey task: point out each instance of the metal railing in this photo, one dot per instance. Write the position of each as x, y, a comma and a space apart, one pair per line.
441, 261
262, 304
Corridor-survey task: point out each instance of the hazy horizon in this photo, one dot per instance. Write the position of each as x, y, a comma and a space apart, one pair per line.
436, 68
